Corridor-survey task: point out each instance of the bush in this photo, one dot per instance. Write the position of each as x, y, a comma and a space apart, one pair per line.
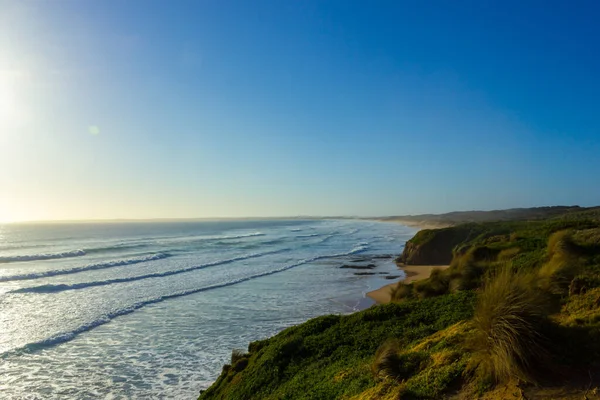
436, 285
402, 291
509, 320
236, 355
391, 363
563, 263
387, 360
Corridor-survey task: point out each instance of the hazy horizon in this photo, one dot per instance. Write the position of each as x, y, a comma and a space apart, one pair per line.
250, 218
151, 110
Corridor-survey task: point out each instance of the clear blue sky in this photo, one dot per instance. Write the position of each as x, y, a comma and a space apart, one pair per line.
140, 109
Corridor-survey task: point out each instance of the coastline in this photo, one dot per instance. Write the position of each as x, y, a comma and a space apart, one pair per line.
413, 273
420, 224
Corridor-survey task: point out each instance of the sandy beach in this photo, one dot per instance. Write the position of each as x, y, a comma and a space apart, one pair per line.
413, 273
415, 223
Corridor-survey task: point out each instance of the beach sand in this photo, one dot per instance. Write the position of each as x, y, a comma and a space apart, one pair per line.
413, 273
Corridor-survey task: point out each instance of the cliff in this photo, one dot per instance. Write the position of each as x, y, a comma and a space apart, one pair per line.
436, 246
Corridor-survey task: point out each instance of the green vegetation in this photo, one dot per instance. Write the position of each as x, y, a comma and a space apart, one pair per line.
519, 304
331, 356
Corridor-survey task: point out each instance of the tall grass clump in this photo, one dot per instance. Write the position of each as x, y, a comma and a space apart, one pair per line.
436, 285
391, 363
387, 361
401, 291
508, 340
237, 354
562, 264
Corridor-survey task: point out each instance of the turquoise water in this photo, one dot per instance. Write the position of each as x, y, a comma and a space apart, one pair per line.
153, 310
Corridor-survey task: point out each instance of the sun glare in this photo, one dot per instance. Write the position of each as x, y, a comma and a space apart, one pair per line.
7, 102
5, 217
10, 112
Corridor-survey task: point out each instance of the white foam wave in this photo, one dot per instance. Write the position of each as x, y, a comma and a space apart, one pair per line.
69, 335
83, 285
91, 267
309, 235
45, 256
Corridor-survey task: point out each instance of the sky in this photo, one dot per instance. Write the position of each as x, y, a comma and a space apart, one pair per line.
190, 109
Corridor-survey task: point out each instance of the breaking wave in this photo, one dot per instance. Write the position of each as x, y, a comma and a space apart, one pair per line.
107, 317
44, 256
91, 267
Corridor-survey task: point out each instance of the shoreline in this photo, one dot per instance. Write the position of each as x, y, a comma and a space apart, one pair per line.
419, 224
413, 273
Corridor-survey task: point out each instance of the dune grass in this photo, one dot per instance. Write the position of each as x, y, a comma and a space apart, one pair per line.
510, 317
402, 291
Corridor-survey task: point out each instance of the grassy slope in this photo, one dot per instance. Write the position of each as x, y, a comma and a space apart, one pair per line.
337, 356
330, 357
514, 214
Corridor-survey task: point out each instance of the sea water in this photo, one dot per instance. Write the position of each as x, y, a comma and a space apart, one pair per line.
153, 310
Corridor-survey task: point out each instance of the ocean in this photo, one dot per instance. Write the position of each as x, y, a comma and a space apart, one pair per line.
152, 310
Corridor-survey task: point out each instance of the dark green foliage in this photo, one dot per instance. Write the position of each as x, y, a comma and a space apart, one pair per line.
308, 361
402, 292
236, 355
436, 285
240, 364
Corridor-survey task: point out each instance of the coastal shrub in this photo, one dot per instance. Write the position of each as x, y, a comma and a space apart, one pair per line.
236, 355
401, 291
465, 276
467, 269
583, 283
509, 320
391, 363
436, 285
387, 362
508, 254
563, 263
587, 238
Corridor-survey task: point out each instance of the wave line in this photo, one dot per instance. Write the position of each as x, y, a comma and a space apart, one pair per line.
108, 317
109, 264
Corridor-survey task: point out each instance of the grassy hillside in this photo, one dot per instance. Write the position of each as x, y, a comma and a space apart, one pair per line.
330, 357
517, 315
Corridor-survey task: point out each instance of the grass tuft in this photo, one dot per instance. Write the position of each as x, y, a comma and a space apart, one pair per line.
436, 285
236, 355
563, 263
391, 363
387, 361
509, 319
401, 292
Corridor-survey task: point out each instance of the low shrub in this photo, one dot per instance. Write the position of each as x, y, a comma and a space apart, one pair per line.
236, 355
402, 291
437, 284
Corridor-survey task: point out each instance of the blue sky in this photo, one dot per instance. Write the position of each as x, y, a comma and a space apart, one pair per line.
144, 109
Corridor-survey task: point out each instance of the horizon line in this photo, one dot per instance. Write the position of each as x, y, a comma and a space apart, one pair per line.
169, 219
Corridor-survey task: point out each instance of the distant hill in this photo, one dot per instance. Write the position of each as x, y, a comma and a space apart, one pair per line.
513, 214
